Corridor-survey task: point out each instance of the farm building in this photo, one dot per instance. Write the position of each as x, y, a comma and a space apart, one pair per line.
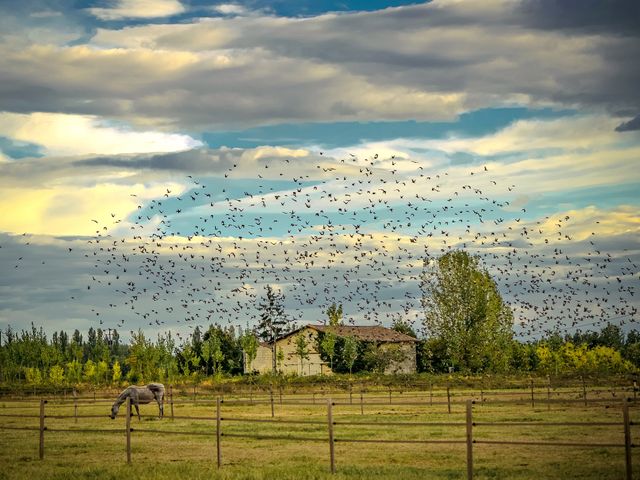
385, 338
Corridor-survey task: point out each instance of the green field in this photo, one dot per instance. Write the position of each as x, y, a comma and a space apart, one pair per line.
166, 455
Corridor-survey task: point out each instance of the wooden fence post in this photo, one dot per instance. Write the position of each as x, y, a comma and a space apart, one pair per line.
350, 393
469, 440
635, 390
218, 433
548, 393
75, 405
332, 455
584, 390
171, 399
448, 399
41, 449
361, 402
430, 393
627, 439
128, 427
195, 400
533, 403
272, 409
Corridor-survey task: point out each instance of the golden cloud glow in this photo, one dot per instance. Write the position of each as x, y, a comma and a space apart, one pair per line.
69, 210
62, 134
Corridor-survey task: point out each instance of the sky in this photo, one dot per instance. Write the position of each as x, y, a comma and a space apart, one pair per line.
163, 161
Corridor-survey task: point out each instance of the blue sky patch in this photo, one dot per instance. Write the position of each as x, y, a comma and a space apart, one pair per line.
343, 134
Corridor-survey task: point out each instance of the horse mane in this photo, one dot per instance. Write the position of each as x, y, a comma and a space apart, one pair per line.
123, 396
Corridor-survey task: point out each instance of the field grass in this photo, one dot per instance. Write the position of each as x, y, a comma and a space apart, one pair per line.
92, 455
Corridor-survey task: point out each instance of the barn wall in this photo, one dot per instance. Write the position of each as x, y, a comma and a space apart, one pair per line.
262, 362
408, 365
311, 366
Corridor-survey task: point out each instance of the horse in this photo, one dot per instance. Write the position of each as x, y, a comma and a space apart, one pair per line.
138, 395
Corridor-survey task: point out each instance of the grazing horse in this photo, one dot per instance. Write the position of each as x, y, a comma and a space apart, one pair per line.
138, 395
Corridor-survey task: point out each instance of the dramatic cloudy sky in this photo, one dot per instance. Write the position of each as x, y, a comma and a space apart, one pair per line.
162, 161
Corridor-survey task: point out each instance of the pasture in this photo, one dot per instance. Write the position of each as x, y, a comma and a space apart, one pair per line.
289, 438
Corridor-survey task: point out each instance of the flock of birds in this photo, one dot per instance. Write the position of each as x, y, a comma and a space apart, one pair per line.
359, 233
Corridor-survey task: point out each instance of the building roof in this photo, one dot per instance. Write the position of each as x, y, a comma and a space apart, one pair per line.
367, 333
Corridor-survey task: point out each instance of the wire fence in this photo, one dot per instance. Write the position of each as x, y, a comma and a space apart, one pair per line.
339, 431
336, 389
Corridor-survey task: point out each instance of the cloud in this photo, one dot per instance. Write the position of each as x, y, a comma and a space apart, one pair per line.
429, 62
586, 222
131, 93
231, 163
619, 17
582, 152
534, 158
629, 126
138, 9
572, 133
61, 195
230, 9
227, 162
69, 210
61, 134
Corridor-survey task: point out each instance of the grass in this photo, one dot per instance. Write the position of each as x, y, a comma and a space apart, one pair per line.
89, 455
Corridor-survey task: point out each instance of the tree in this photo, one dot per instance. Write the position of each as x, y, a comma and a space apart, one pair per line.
190, 360
212, 351
249, 344
228, 357
165, 346
74, 371
378, 358
464, 308
33, 376
144, 359
90, 346
302, 350
328, 339
89, 372
117, 373
350, 352
328, 346
75, 347
56, 375
403, 326
334, 313
280, 358
611, 336
102, 372
273, 323
431, 356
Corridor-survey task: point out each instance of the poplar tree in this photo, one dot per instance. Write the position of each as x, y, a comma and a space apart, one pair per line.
328, 342
302, 350
273, 323
464, 309
249, 344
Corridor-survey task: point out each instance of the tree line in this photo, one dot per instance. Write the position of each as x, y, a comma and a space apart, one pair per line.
467, 328
28, 357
